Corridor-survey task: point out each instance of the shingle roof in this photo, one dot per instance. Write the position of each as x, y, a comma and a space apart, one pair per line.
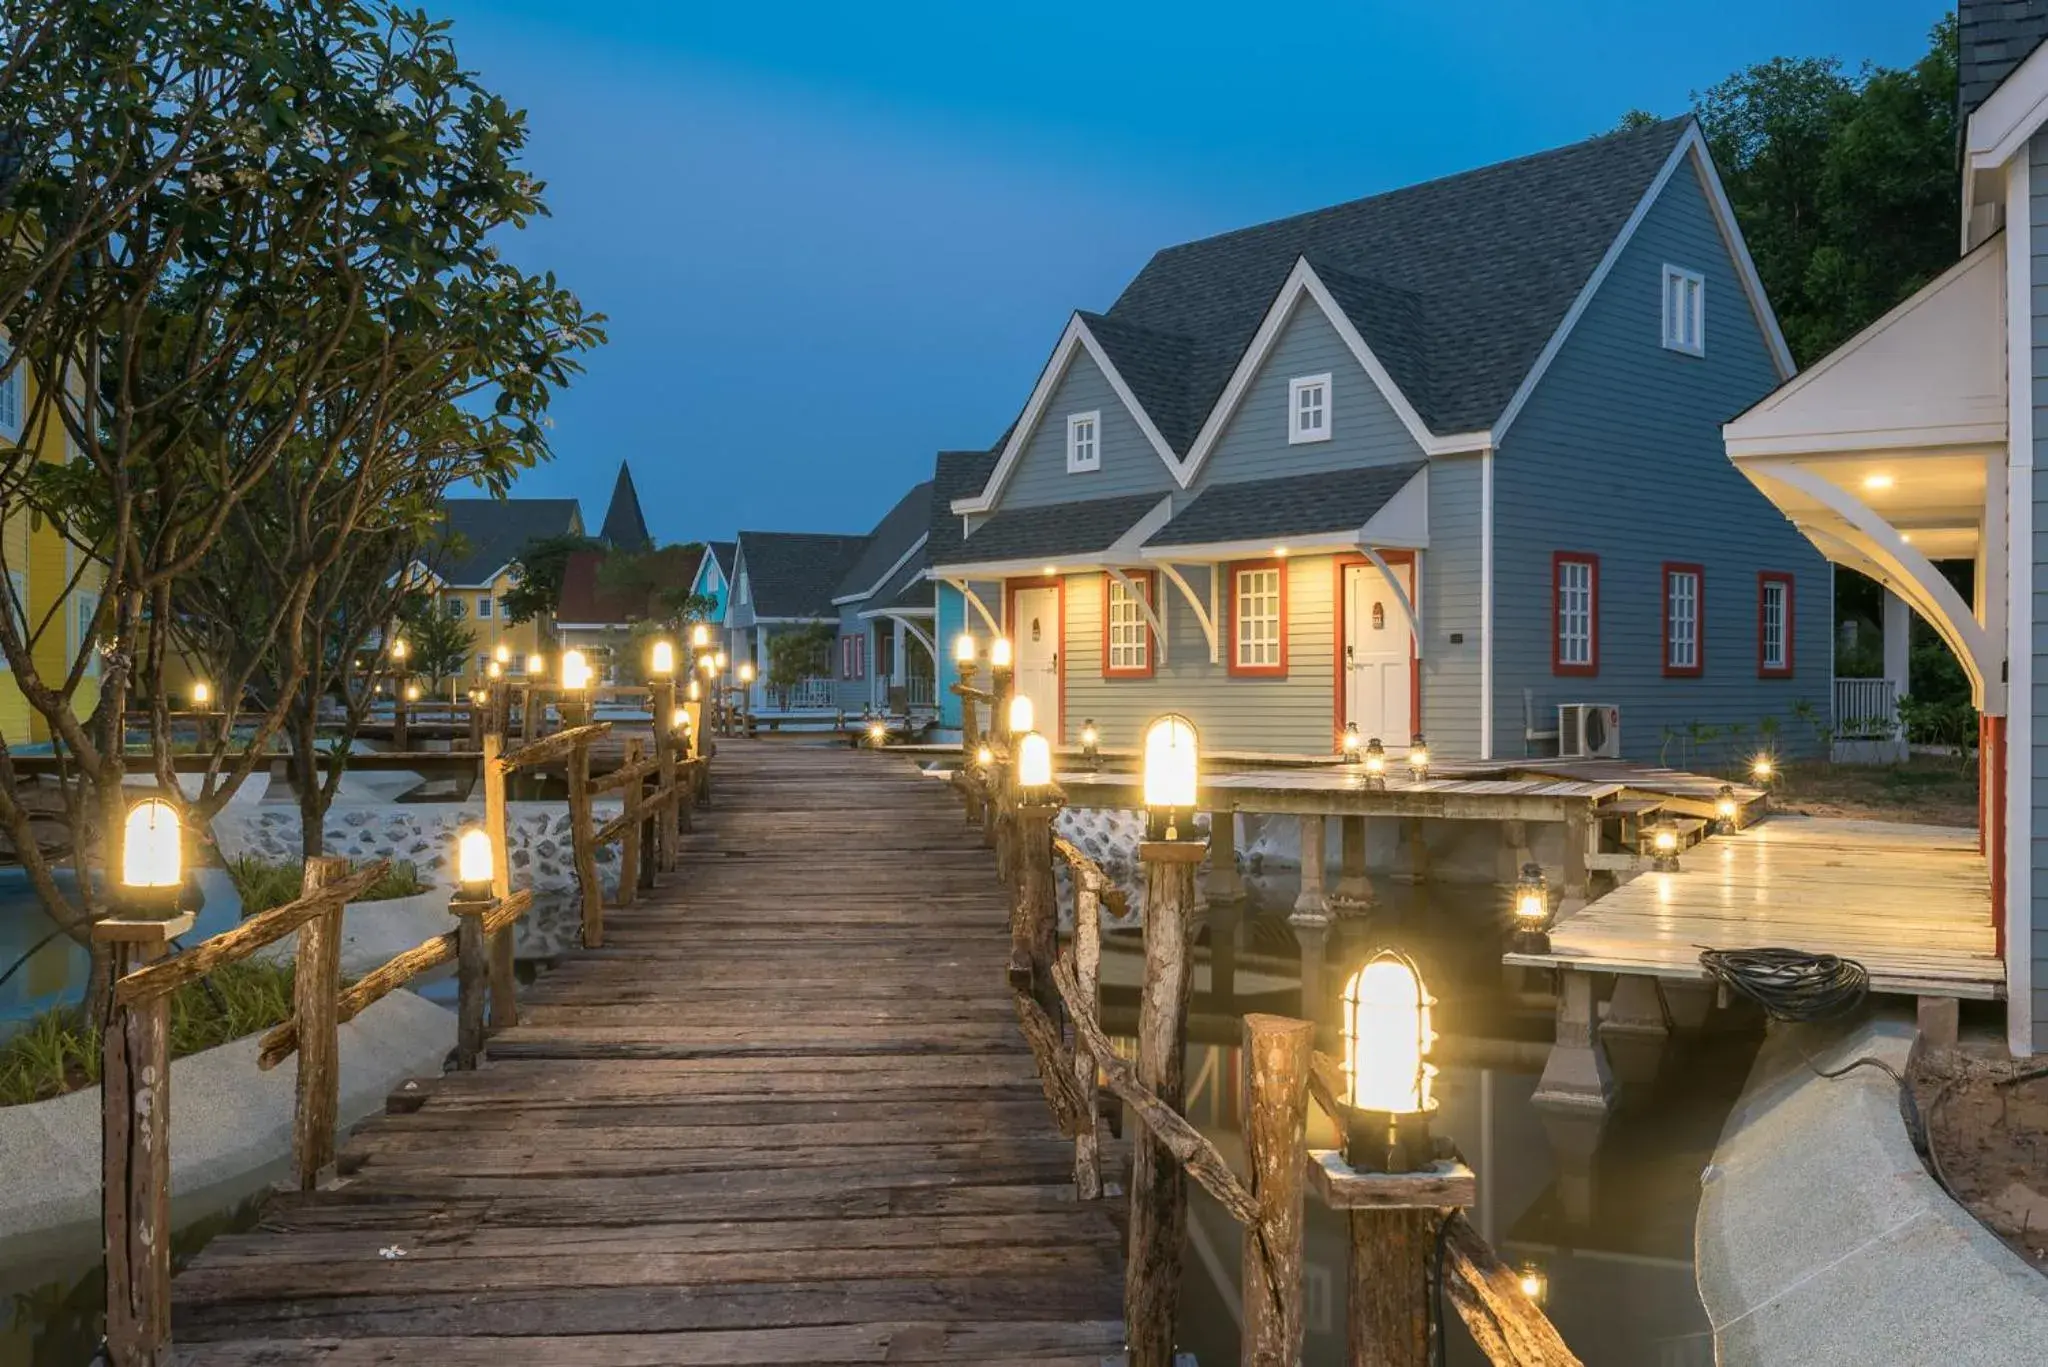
958, 474
722, 552
917, 592
898, 530
1052, 530
586, 602
624, 528
1995, 36
480, 536
795, 574
1295, 505
1461, 280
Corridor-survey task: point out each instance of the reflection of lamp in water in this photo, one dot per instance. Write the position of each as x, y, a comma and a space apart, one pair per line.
1171, 761
1532, 911
1034, 769
1021, 716
878, 733
1375, 765
1534, 1282
1418, 759
152, 861
1387, 1073
1091, 744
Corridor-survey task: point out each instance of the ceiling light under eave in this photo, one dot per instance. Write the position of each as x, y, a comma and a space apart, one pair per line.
1877, 483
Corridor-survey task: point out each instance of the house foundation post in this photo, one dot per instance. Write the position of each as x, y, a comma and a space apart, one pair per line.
1577, 1076
1354, 889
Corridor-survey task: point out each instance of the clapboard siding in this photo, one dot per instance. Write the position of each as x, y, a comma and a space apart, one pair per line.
1130, 465
1364, 429
1452, 572
1619, 453
2037, 154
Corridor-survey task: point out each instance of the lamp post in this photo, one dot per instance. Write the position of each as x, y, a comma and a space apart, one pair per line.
575, 704
472, 899
1169, 855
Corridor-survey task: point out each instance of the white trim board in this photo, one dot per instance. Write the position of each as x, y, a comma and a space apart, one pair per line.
888, 574
2018, 834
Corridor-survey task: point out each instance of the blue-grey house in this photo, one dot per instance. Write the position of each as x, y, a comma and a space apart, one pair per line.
1916, 442
1446, 461
783, 583
885, 604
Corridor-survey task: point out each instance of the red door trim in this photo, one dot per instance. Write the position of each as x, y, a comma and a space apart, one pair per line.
1345, 562
1058, 584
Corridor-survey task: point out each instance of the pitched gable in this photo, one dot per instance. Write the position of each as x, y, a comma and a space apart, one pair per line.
1032, 469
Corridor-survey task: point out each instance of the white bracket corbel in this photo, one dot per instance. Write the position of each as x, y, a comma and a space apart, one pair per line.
1205, 614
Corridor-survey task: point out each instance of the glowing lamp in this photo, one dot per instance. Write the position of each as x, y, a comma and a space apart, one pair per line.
878, 733
152, 860
1091, 744
412, 692
1534, 1282
1387, 1073
746, 671
1034, 768
1662, 842
1375, 765
679, 720
1727, 811
1763, 769
536, 664
503, 654
1351, 742
963, 649
719, 660
1532, 911
202, 696
700, 636
663, 660
494, 670
1171, 759
695, 690
984, 756
705, 663
999, 653
575, 670
473, 863
1021, 718
400, 650
1418, 759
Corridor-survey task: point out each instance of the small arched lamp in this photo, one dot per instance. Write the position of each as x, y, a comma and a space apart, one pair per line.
1532, 911
202, 694
1172, 758
963, 649
700, 637
152, 860
1021, 716
720, 661
1034, 768
661, 660
1418, 759
746, 671
400, 650
999, 653
473, 864
412, 692
1660, 842
1387, 1073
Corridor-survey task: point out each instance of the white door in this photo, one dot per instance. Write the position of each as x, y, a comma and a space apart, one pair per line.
1378, 684
1035, 637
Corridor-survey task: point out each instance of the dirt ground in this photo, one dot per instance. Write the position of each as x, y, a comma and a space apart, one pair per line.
1989, 1135
1930, 789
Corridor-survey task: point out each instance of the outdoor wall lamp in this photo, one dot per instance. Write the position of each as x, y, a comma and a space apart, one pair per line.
1034, 769
1662, 840
1021, 718
1091, 744
963, 649
1418, 759
1726, 810
1763, 769
1387, 1073
999, 653
1350, 742
1532, 911
152, 861
473, 869
1375, 766
1172, 759
202, 695
662, 660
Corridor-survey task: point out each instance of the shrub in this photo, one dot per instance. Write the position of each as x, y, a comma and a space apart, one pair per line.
262, 885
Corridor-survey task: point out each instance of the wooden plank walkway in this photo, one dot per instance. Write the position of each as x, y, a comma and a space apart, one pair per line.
783, 1116
1911, 903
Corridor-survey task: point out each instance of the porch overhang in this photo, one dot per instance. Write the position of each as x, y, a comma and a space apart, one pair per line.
1346, 510
1890, 455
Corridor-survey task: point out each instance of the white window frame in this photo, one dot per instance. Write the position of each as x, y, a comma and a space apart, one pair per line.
1297, 432
483, 607
744, 590
1574, 625
14, 395
1684, 310
85, 604
1683, 590
1084, 442
1774, 655
1264, 648
1129, 632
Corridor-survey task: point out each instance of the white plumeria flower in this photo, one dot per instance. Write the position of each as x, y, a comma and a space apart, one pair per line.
205, 182
391, 1253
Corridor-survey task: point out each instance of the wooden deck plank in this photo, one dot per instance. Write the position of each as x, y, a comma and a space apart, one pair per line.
784, 1116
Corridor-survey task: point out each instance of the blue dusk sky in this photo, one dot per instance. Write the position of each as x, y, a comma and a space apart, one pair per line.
834, 238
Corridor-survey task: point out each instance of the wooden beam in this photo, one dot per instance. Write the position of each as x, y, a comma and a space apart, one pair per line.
316, 986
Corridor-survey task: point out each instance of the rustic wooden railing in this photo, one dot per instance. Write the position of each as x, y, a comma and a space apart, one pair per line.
658, 787
1395, 1249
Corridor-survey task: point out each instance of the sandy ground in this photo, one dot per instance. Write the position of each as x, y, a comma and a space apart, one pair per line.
1930, 790
1990, 1140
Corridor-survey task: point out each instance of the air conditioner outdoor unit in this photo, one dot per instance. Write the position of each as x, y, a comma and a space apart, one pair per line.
1588, 730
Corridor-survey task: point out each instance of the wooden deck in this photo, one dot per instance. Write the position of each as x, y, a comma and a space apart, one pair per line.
784, 1116
1911, 903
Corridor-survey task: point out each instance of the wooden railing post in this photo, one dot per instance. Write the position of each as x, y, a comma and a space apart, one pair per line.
316, 983
582, 835
1159, 1193
1034, 911
661, 703
135, 1117
970, 736
1088, 976
629, 842
1394, 1219
471, 979
497, 819
398, 711
1277, 1054
529, 712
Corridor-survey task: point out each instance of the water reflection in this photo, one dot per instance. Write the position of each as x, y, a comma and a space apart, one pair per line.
1602, 1206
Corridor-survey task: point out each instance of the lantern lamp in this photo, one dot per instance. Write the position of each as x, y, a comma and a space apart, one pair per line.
1763, 769
575, 670
878, 733
1418, 759
1727, 811
1034, 768
746, 671
695, 690
473, 864
679, 720
1534, 1282
503, 654
963, 649
1387, 1073
984, 756
400, 650
536, 664
1091, 744
700, 637
202, 695
494, 670
999, 653
1171, 760
1021, 714
412, 692
1532, 911
662, 660
152, 860
1351, 742
1661, 841
1375, 765
720, 661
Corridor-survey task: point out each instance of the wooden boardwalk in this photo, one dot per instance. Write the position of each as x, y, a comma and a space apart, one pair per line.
785, 1115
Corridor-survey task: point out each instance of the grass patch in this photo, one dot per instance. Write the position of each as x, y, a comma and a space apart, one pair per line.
59, 1051
263, 885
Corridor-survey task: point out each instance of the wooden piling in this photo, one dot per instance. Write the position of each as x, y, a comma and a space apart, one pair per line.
1277, 1052
662, 704
398, 711
970, 738
629, 843
1159, 1194
504, 978
1394, 1219
1088, 976
471, 971
316, 984
1034, 921
582, 837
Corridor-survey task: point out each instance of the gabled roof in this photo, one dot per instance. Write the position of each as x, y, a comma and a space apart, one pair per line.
901, 529
1054, 530
721, 553
1291, 506
481, 536
794, 574
1995, 36
956, 475
624, 528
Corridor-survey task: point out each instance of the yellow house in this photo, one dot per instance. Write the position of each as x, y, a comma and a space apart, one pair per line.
40, 568
474, 570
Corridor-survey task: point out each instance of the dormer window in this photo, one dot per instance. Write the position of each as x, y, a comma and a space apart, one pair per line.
1685, 314
1084, 442
1308, 409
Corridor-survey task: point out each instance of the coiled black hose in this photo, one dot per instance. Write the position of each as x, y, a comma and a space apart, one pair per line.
1790, 984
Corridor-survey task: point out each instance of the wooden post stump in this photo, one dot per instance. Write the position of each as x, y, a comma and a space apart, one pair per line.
1159, 1191
316, 986
471, 979
1277, 1053
970, 737
1394, 1219
504, 977
661, 704
629, 843
1088, 976
1224, 882
398, 711
582, 835
135, 1118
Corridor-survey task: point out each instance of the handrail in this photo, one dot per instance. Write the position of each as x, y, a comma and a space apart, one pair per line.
552, 747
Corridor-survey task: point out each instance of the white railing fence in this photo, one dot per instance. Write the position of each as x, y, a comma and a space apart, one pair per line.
805, 695
918, 688
1866, 709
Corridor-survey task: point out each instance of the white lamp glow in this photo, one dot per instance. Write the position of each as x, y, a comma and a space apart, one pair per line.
1021, 715
575, 670
999, 653
1034, 761
536, 664
700, 636
664, 659
201, 694
503, 654
1387, 1038
152, 847
963, 649
473, 858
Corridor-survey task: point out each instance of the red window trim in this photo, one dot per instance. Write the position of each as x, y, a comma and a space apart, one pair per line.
1785, 670
1699, 619
1231, 571
1147, 583
1558, 560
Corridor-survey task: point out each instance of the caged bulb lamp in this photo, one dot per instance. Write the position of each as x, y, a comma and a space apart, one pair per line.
1034, 769
700, 637
1091, 744
503, 654
662, 660
719, 660
152, 861
412, 692
1418, 759
1375, 766
1727, 811
473, 864
1387, 1073
1021, 716
999, 653
1172, 758
746, 671
1532, 911
575, 670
